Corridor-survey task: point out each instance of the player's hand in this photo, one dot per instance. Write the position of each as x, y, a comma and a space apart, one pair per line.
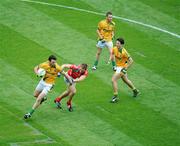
124, 70
102, 40
59, 75
71, 81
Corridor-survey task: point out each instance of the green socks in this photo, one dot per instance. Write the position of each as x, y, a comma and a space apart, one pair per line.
31, 111
96, 63
113, 63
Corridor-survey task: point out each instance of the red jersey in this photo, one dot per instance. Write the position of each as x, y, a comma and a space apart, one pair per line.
74, 72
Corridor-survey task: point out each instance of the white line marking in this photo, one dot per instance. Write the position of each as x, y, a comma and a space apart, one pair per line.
102, 14
140, 54
47, 140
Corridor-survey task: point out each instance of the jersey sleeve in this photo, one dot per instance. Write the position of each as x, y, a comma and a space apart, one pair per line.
127, 54
59, 68
100, 25
73, 67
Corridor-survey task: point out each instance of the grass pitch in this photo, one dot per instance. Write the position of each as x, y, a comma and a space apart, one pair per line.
30, 32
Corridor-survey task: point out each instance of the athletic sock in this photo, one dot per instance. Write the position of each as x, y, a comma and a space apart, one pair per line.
96, 63
113, 63
58, 99
31, 111
69, 102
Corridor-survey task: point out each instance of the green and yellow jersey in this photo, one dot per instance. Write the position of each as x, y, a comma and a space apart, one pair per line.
121, 56
106, 29
51, 72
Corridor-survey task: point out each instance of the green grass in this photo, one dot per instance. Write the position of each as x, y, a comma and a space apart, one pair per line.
31, 32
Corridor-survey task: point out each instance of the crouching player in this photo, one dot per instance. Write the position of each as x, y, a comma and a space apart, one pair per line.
123, 62
46, 83
77, 74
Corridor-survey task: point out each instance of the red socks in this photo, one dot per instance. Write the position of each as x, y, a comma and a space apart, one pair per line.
58, 99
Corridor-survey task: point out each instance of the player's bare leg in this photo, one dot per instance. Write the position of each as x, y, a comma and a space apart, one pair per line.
115, 78
36, 93
98, 53
36, 105
131, 85
59, 98
38, 100
109, 61
72, 90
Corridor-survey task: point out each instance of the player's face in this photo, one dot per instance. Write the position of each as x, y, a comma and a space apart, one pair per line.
118, 44
82, 70
109, 18
52, 63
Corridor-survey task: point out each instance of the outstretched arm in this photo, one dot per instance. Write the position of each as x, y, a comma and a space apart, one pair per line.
67, 77
80, 79
66, 66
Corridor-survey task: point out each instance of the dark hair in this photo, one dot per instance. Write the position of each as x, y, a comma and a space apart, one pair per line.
121, 40
108, 13
84, 66
52, 57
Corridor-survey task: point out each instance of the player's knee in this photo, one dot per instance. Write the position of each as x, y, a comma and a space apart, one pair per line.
73, 92
35, 95
38, 100
98, 53
113, 80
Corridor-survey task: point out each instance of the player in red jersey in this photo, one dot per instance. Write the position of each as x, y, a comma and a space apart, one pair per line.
77, 74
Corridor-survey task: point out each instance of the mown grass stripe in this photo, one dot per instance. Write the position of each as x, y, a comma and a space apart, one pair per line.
144, 77
73, 126
102, 14
101, 100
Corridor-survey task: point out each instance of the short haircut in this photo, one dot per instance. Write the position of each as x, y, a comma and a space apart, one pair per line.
52, 57
108, 13
121, 40
84, 66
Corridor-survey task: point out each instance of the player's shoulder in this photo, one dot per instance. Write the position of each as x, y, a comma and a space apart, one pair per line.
126, 52
58, 67
124, 49
102, 21
115, 48
113, 23
46, 63
73, 66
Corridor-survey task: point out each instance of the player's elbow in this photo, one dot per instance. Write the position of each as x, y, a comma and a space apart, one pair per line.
36, 69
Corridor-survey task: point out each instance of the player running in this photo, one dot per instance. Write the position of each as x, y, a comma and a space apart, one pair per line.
105, 34
77, 74
46, 83
123, 62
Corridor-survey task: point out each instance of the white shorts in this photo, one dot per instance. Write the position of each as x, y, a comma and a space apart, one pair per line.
44, 87
118, 69
102, 45
67, 81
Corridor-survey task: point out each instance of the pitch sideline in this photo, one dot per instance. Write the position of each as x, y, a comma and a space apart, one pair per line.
102, 14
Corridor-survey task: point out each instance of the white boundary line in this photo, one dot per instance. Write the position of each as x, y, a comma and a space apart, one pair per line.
102, 14
46, 140
140, 54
